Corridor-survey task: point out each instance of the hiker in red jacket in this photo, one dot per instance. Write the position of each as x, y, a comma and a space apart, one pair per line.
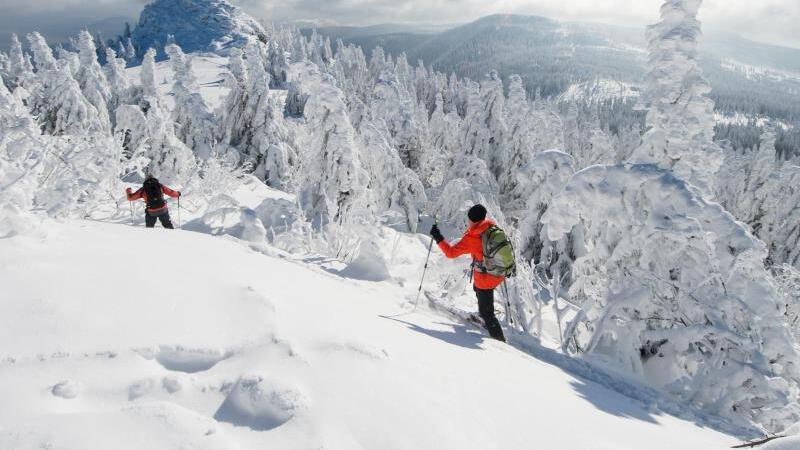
483, 283
152, 192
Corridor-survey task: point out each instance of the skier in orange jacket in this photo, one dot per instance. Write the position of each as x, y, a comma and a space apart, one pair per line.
483, 283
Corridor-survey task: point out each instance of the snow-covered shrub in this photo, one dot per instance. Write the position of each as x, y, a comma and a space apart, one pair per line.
673, 289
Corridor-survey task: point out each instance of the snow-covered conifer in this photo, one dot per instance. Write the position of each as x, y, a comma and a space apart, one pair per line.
333, 183
117, 80
680, 117
56, 98
92, 79
391, 184
194, 123
148, 74
253, 124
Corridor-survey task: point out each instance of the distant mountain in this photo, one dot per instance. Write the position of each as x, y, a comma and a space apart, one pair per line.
553, 57
60, 32
196, 25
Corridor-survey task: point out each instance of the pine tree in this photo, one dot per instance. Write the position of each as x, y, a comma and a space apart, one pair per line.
117, 80
56, 98
680, 117
92, 79
253, 124
333, 182
194, 123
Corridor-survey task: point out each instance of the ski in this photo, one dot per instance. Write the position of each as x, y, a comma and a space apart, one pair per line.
454, 313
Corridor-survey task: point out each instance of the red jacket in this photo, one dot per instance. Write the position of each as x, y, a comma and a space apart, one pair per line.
470, 244
143, 195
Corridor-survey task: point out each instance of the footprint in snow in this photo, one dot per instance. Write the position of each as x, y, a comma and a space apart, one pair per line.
67, 389
188, 360
260, 404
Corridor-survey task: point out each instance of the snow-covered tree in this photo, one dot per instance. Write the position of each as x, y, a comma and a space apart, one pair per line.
484, 124
252, 122
391, 184
518, 147
117, 80
761, 191
673, 289
18, 71
333, 183
92, 79
194, 123
391, 103
147, 129
56, 98
680, 116
130, 51
148, 74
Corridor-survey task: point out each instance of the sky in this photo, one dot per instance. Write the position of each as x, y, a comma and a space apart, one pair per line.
770, 21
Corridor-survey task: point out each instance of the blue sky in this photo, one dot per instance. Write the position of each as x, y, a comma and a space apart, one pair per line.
772, 21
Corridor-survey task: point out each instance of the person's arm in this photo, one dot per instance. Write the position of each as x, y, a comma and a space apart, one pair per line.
133, 195
170, 192
454, 251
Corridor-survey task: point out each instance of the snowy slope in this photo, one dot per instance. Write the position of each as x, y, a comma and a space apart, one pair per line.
114, 336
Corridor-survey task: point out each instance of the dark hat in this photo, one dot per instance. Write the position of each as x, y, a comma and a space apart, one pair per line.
477, 213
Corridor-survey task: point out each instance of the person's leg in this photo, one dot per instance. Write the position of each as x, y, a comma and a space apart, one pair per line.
165, 222
149, 220
486, 311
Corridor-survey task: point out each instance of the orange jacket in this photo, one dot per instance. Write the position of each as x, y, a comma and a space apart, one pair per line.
141, 194
470, 244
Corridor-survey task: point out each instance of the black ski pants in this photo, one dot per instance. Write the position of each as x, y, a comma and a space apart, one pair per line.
162, 216
486, 311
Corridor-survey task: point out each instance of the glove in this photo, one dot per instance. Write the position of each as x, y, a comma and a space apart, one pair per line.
179, 193
129, 191
436, 234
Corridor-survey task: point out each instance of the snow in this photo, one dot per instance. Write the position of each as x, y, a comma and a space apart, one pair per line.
599, 91
137, 339
195, 25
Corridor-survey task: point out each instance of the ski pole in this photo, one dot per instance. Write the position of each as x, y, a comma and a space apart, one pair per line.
179, 212
130, 203
424, 270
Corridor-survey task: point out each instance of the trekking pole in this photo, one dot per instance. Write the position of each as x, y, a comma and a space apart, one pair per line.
425, 270
508, 303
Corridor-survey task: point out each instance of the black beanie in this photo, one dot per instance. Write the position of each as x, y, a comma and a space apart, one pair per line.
477, 213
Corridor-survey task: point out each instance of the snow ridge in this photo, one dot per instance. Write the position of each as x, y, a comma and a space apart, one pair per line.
196, 25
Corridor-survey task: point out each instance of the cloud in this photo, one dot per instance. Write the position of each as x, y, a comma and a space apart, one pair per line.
765, 20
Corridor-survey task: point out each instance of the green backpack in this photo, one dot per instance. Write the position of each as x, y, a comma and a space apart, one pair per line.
498, 253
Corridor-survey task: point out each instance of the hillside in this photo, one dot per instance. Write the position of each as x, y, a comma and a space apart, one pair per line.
552, 56
119, 337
